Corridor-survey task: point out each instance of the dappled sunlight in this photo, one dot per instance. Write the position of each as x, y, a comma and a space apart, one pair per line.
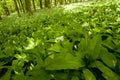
73, 6
31, 44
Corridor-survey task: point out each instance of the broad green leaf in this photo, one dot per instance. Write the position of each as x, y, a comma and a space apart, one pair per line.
75, 78
88, 74
39, 62
38, 74
108, 77
91, 46
56, 47
67, 46
6, 76
59, 75
1, 64
117, 67
82, 47
94, 46
108, 58
20, 77
106, 71
21, 56
94, 42
2, 54
108, 43
9, 50
63, 61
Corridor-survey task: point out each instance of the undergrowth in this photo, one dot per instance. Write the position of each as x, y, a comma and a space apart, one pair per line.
62, 45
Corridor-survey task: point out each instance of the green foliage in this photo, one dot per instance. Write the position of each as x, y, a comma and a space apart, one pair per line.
61, 45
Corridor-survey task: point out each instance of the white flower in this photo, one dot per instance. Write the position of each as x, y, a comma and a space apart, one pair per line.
85, 24
61, 38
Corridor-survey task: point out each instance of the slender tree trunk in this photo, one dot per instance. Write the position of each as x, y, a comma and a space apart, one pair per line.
7, 12
81, 0
16, 7
19, 5
28, 7
40, 2
55, 2
22, 6
47, 4
76, 0
0, 17
65, 1
60, 1
69, 1
34, 7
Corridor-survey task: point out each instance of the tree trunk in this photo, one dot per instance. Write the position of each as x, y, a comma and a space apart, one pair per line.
0, 17
76, 0
16, 7
23, 9
69, 1
34, 7
60, 1
19, 5
47, 4
55, 2
65, 1
40, 2
7, 12
28, 7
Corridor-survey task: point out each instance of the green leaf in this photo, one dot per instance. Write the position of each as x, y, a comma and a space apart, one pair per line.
67, 46
88, 74
107, 72
94, 46
108, 58
59, 75
38, 74
108, 43
1, 54
95, 41
6, 76
20, 56
20, 77
39, 63
90, 47
75, 78
82, 47
117, 67
1, 64
63, 61
56, 47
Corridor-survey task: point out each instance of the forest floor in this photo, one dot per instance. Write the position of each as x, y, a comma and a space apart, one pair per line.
80, 41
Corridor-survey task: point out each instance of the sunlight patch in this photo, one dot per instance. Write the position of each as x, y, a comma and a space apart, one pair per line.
31, 44
75, 7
